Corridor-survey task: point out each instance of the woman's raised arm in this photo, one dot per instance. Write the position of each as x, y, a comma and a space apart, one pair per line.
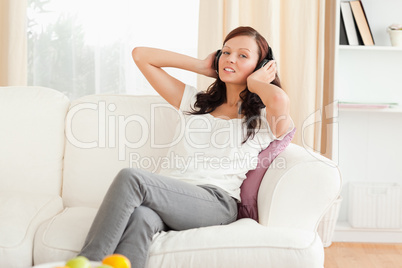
274, 98
150, 61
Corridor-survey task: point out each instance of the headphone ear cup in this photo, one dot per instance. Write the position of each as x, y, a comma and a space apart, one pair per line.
270, 55
216, 62
267, 59
261, 64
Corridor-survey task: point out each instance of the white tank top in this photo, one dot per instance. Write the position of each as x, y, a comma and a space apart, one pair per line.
209, 150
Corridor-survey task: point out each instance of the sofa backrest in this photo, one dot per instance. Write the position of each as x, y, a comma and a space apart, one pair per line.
105, 133
31, 139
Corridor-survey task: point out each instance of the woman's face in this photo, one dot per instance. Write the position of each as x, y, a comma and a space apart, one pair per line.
238, 60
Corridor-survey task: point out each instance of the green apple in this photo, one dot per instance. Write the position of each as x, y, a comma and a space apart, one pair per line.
79, 262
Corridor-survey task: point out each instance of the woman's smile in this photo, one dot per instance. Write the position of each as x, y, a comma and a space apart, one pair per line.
228, 69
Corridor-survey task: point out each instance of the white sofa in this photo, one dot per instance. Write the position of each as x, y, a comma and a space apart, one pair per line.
57, 159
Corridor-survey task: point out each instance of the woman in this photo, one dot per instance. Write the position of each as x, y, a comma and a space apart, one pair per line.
226, 128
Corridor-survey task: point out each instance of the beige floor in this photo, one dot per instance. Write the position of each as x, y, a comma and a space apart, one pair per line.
361, 255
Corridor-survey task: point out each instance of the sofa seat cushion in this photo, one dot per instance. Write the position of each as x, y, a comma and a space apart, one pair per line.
20, 216
237, 245
61, 237
234, 245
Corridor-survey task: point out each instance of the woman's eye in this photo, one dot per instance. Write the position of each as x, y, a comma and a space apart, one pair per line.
225, 52
243, 56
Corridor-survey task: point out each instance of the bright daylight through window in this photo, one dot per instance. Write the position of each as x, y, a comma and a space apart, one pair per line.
82, 47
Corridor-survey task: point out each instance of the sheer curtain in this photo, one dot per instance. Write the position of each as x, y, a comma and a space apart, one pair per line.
82, 47
298, 32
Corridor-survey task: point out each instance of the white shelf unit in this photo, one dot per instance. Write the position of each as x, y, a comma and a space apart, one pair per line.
367, 142
365, 110
372, 48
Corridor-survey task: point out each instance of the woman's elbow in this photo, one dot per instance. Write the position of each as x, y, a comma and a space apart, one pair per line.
280, 114
280, 103
136, 54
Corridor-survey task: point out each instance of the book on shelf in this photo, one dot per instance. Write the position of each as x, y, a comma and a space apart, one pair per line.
348, 27
362, 22
367, 105
343, 39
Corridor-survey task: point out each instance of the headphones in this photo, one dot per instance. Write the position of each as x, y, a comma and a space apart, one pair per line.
268, 58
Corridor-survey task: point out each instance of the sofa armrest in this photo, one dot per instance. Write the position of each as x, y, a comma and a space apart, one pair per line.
297, 189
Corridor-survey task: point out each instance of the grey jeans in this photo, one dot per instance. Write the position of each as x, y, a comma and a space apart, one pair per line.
139, 204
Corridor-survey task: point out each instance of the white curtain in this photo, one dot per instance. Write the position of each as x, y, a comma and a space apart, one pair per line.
297, 32
82, 47
13, 54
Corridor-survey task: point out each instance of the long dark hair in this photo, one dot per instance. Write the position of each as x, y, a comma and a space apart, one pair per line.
251, 105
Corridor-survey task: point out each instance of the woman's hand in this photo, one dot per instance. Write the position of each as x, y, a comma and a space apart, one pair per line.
264, 75
208, 66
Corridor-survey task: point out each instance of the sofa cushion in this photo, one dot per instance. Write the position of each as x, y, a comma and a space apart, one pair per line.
249, 189
61, 237
20, 216
108, 133
32, 139
239, 244
234, 245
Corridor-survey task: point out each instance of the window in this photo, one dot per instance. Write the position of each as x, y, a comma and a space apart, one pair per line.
82, 47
